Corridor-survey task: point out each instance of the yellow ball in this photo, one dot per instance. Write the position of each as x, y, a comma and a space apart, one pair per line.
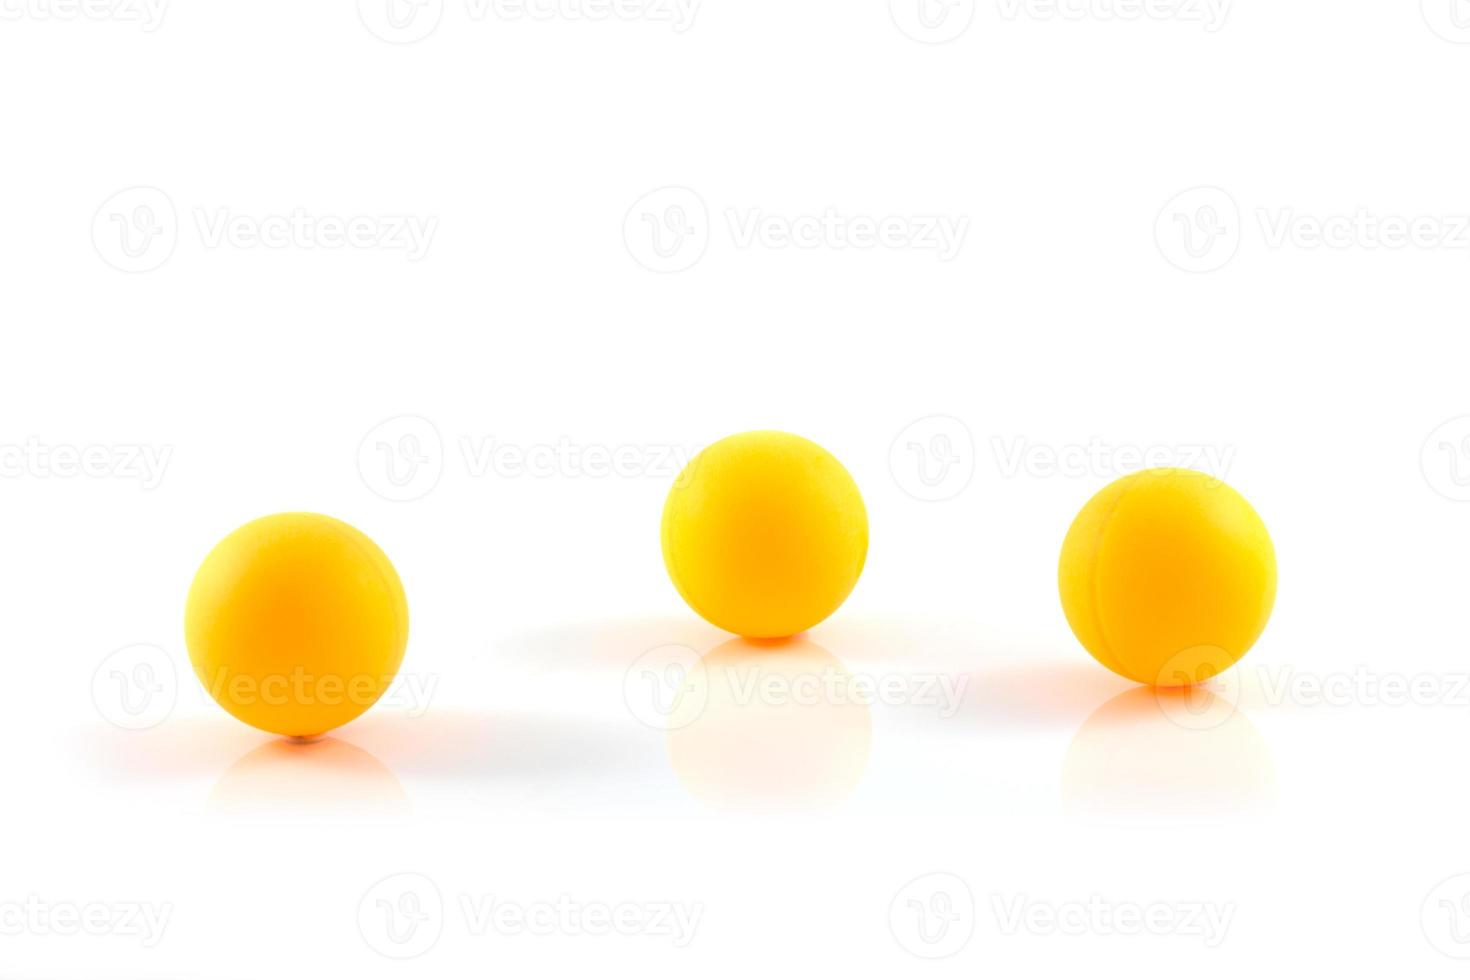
296, 623
1167, 577
765, 534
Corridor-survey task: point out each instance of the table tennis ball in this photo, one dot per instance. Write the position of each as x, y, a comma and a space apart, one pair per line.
1167, 577
296, 623
765, 534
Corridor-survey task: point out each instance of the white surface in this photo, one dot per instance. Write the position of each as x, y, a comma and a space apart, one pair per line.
533, 309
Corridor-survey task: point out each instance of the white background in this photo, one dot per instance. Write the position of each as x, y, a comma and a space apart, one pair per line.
1181, 233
